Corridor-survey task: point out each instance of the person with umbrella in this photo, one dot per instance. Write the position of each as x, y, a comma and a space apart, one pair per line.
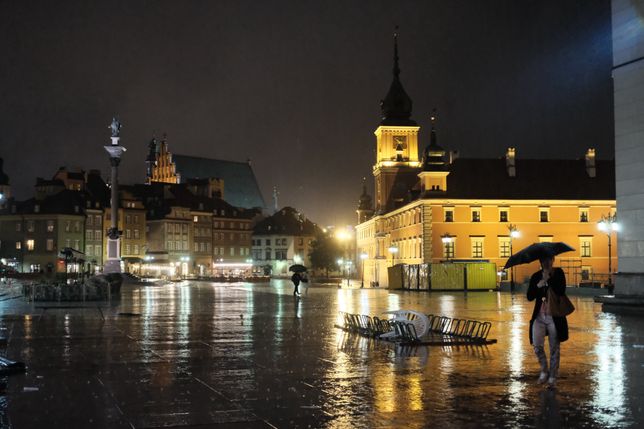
544, 321
296, 278
545, 286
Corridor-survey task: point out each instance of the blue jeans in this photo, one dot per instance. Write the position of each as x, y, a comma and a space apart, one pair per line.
540, 326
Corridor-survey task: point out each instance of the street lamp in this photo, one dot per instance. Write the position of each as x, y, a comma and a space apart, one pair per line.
363, 256
608, 224
447, 239
184, 265
393, 250
514, 233
349, 263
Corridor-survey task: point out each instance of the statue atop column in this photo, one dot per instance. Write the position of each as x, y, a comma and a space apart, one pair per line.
115, 126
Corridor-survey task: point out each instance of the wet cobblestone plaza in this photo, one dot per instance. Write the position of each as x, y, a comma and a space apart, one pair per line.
198, 354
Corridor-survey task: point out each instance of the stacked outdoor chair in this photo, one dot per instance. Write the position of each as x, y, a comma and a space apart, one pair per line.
414, 328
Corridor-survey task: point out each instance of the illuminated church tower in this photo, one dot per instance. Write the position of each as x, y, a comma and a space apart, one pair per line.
365, 207
397, 164
433, 176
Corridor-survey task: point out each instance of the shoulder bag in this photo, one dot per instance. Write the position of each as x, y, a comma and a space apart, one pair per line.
559, 305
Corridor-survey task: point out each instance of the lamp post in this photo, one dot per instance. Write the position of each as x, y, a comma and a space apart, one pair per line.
608, 224
345, 238
393, 250
447, 239
514, 233
250, 269
363, 256
341, 265
115, 151
184, 266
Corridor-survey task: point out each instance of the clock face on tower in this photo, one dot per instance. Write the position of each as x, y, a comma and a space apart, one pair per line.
402, 140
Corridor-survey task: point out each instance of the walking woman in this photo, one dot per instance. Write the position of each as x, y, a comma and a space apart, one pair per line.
543, 322
295, 278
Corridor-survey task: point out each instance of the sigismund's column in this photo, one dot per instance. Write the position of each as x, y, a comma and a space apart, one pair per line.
115, 150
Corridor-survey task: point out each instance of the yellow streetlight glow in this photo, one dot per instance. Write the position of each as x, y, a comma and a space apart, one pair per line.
342, 235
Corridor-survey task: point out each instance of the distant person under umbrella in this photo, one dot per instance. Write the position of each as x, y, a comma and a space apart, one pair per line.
296, 278
543, 322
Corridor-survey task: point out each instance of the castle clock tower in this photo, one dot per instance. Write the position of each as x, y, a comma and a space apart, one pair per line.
397, 164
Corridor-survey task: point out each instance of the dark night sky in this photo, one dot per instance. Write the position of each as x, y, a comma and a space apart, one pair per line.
295, 85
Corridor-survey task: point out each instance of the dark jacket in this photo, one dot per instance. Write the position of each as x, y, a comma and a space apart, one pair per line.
295, 278
558, 284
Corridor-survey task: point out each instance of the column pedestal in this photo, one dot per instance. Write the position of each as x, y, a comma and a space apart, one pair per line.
113, 260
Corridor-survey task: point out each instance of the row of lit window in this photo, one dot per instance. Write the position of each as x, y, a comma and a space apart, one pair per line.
129, 233
30, 245
14, 209
220, 236
95, 219
95, 250
366, 232
178, 228
93, 235
278, 242
128, 248
176, 245
268, 255
243, 251
231, 225
504, 215
97, 235
128, 219
504, 249
202, 232
50, 226
405, 219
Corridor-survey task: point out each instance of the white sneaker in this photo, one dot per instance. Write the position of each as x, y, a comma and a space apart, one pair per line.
543, 377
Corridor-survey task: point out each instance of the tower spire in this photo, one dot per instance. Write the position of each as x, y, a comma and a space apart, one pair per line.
433, 139
434, 155
396, 107
365, 205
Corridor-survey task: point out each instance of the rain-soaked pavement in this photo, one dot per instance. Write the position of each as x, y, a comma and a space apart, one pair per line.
199, 354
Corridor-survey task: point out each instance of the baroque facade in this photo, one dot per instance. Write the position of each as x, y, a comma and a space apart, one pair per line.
440, 207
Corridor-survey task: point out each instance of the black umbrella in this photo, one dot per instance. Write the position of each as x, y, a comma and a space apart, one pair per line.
297, 268
536, 251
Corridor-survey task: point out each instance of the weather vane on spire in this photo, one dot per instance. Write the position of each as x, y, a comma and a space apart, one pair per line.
396, 68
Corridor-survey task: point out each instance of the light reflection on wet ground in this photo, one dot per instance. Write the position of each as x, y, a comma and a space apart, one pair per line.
208, 355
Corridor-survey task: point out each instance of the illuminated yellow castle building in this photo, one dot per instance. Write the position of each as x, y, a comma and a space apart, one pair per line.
441, 207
